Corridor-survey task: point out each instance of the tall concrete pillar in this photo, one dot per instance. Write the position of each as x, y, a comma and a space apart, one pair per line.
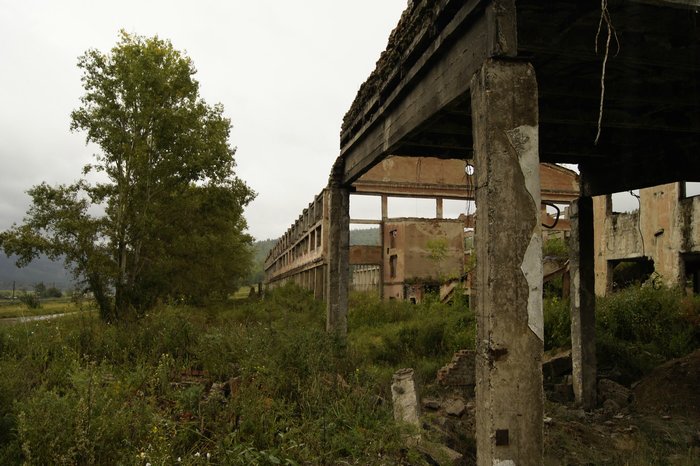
582, 299
509, 395
602, 210
338, 269
438, 208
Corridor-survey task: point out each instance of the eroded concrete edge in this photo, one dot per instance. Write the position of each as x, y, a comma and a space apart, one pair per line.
524, 140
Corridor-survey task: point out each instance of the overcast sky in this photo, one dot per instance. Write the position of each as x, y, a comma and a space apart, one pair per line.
285, 71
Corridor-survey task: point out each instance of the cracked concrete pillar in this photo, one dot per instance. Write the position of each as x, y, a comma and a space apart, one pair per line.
602, 210
405, 397
338, 269
582, 299
509, 395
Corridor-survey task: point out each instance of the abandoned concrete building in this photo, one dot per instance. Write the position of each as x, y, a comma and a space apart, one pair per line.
664, 234
611, 86
414, 255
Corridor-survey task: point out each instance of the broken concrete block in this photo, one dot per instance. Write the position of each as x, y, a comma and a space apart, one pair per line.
455, 407
405, 397
440, 454
431, 403
556, 363
610, 390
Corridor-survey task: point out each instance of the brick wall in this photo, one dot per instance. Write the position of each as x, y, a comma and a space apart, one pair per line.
460, 371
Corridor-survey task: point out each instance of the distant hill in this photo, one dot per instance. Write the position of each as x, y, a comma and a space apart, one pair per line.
365, 237
39, 270
50, 272
260, 251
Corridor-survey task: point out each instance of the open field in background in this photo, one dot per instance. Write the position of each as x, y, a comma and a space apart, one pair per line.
261, 383
15, 308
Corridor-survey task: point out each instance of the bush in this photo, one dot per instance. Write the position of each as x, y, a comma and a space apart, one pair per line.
395, 334
557, 323
53, 292
31, 300
258, 383
555, 247
640, 327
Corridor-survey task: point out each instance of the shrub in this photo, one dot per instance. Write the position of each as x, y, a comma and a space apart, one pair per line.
557, 323
555, 247
31, 300
640, 327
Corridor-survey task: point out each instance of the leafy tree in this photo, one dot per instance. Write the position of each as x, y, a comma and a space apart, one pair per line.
40, 289
172, 223
53, 292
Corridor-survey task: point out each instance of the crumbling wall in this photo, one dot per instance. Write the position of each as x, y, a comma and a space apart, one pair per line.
460, 372
664, 228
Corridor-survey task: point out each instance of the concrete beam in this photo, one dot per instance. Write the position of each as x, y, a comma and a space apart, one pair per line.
581, 266
338, 270
509, 395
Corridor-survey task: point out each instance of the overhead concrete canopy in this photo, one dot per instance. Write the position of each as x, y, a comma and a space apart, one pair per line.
448, 178
417, 101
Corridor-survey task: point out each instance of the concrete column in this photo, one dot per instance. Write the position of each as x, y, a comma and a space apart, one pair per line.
338, 257
438, 207
581, 265
404, 397
382, 231
602, 210
318, 282
509, 395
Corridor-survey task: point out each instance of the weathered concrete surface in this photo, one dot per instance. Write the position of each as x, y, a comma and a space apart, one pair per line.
364, 255
338, 270
421, 250
663, 230
447, 178
405, 398
509, 414
583, 357
460, 371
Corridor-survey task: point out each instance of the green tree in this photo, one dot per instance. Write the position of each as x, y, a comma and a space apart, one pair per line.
40, 289
173, 224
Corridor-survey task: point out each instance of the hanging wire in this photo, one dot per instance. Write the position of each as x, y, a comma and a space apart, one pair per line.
556, 220
604, 18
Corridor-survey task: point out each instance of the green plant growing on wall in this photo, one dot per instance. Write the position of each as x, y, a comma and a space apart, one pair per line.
437, 252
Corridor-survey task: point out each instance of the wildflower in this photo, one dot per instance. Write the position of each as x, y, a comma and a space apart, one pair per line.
179, 459
197, 455
208, 456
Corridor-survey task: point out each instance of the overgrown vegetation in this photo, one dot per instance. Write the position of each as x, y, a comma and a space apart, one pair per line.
636, 328
261, 382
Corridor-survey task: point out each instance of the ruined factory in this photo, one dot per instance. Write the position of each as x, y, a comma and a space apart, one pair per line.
477, 99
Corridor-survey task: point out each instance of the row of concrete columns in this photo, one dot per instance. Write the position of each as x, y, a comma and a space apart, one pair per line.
510, 334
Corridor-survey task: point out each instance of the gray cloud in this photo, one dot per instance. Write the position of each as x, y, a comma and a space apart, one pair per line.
285, 72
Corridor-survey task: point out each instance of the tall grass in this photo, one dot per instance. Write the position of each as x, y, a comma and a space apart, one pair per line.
636, 328
261, 382
256, 383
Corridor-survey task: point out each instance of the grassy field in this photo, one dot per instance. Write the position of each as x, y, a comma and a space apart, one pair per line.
16, 308
258, 383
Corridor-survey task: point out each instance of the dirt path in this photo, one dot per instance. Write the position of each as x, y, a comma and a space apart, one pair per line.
17, 320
